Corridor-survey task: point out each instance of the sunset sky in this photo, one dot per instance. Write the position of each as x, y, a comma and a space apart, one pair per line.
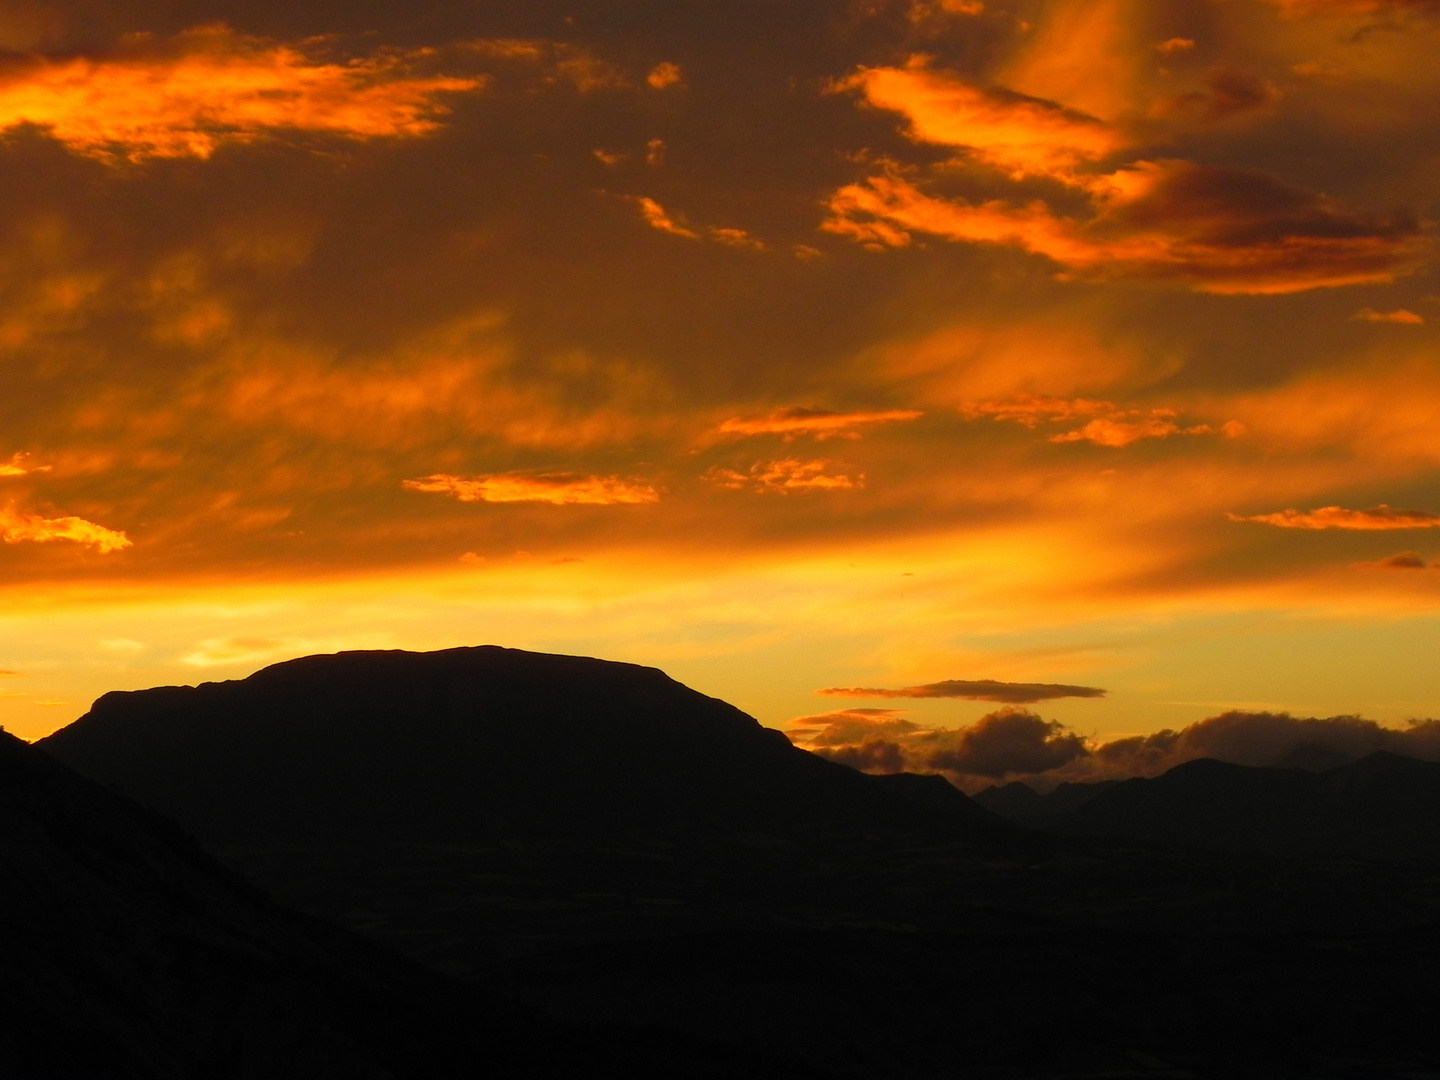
903, 349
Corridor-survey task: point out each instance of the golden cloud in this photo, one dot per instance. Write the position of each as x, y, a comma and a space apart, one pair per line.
1020, 135
656, 217
16, 466
17, 526
1219, 230
1013, 693
1110, 425
1405, 560
1381, 517
210, 86
557, 488
821, 424
785, 476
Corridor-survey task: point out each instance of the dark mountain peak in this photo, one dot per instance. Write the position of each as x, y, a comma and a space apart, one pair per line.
470, 742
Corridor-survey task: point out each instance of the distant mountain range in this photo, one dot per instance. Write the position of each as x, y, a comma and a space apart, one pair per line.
1382, 805
475, 743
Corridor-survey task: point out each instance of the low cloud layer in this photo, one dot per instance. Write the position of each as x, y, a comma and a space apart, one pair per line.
1013, 693
1017, 744
1380, 518
558, 488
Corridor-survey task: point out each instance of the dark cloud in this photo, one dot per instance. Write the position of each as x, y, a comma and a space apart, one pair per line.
1013, 743
1406, 560
973, 690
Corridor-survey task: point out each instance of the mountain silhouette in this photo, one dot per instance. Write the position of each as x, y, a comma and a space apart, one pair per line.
1381, 805
473, 743
129, 954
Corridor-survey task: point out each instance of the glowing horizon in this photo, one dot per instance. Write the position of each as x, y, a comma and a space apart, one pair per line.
1078, 344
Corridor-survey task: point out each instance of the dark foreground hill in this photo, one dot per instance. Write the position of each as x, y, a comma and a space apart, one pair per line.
130, 955
1383, 805
475, 743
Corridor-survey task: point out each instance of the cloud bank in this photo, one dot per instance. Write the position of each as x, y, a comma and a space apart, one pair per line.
1380, 518
1017, 744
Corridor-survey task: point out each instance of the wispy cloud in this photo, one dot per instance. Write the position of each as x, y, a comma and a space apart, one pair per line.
187, 96
1381, 517
17, 526
820, 424
1015, 693
18, 466
657, 217
1302, 8
1405, 560
785, 476
1110, 424
556, 488
1402, 317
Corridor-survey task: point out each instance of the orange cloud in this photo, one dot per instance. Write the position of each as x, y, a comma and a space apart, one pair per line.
1110, 426
785, 476
663, 75
558, 488
17, 526
1020, 135
1402, 317
657, 218
819, 423
1013, 693
1175, 45
1117, 433
1219, 230
209, 86
16, 466
1336, 517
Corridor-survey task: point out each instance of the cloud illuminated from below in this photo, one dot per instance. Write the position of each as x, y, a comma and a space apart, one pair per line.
556, 488
16, 526
211, 85
1337, 517
1012, 693
818, 423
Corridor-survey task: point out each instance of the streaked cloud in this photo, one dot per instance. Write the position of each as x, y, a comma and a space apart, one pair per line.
556, 488
17, 526
820, 424
1405, 560
186, 96
657, 217
785, 476
1379, 518
1109, 424
1015, 693
1017, 134
1403, 317
1215, 229
19, 465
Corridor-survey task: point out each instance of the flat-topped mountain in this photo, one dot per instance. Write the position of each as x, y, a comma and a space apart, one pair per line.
474, 743
1381, 805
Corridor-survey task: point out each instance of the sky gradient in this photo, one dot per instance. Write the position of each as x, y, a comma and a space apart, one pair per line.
893, 352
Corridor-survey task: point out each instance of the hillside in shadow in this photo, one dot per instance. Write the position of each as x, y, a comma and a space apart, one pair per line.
650, 867
1383, 805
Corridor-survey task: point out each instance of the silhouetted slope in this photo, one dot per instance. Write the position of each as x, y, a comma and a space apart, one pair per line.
1380, 805
1020, 802
469, 743
128, 953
